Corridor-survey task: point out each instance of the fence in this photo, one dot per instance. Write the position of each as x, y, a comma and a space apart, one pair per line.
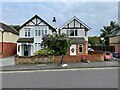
103, 48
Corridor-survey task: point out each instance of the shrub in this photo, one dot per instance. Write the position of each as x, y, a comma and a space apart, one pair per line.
45, 52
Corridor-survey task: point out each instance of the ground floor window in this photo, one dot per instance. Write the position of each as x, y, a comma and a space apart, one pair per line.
37, 46
80, 48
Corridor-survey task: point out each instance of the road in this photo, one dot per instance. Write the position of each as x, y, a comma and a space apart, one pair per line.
74, 78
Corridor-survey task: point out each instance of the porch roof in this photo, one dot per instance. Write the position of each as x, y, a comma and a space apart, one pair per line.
78, 40
25, 40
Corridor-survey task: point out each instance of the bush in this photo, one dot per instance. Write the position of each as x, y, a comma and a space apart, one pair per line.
45, 52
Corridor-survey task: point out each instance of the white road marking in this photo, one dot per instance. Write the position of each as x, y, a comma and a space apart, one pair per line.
54, 70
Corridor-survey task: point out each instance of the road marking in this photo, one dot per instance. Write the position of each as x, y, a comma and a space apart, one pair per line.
57, 70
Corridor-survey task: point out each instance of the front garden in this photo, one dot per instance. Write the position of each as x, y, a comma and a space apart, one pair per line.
55, 51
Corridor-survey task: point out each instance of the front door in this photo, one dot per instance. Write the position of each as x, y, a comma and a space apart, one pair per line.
25, 50
73, 50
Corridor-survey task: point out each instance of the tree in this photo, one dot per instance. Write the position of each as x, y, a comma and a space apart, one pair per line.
107, 30
15, 27
93, 41
57, 42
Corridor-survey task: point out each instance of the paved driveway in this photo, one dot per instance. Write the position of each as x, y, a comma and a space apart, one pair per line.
7, 61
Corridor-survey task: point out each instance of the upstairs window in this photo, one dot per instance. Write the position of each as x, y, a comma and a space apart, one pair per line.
27, 32
67, 33
35, 32
76, 32
40, 31
46, 32
72, 32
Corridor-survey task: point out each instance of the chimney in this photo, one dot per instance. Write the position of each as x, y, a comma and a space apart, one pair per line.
54, 22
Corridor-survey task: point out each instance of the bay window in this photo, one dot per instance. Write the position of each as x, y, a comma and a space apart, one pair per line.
40, 31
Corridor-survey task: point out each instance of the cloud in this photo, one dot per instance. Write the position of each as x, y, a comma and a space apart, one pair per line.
93, 14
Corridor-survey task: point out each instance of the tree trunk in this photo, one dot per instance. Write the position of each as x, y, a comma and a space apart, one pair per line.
61, 61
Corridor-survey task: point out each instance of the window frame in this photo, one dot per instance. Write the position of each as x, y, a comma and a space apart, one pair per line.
27, 32
78, 48
74, 31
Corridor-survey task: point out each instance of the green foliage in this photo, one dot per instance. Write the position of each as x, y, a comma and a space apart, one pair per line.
107, 31
57, 42
45, 52
15, 27
93, 41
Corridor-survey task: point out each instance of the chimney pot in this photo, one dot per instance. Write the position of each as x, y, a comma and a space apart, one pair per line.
54, 20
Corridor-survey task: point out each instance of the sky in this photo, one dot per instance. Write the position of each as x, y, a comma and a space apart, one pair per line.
94, 14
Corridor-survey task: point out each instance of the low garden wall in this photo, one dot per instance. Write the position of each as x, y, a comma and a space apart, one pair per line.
33, 59
92, 57
89, 57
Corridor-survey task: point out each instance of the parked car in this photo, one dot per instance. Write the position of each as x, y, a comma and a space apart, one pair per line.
90, 49
116, 54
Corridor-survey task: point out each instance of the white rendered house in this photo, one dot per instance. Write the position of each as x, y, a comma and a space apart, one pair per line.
77, 31
30, 35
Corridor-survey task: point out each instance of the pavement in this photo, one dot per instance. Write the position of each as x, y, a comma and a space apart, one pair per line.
7, 61
110, 63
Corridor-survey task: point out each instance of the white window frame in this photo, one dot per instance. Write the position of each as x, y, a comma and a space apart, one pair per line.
78, 48
68, 32
26, 32
43, 30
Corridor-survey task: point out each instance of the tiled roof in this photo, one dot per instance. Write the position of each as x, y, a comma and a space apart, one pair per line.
25, 40
7, 28
78, 40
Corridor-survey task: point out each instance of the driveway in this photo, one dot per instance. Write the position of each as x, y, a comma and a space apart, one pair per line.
8, 61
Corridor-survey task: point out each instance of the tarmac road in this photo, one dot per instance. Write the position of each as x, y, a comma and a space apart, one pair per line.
70, 78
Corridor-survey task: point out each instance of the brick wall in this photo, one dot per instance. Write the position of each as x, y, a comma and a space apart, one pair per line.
78, 58
9, 49
92, 57
117, 47
85, 45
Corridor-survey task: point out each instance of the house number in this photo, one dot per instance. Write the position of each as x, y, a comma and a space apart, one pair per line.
72, 50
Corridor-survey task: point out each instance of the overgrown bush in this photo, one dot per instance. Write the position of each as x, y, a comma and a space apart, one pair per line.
57, 42
45, 52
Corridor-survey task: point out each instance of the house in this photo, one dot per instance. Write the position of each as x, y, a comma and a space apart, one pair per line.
30, 35
8, 38
77, 31
115, 39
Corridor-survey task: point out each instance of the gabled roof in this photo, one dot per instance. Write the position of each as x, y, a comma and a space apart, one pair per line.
36, 16
7, 28
78, 21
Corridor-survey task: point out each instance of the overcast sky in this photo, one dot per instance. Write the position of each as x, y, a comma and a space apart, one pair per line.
94, 14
